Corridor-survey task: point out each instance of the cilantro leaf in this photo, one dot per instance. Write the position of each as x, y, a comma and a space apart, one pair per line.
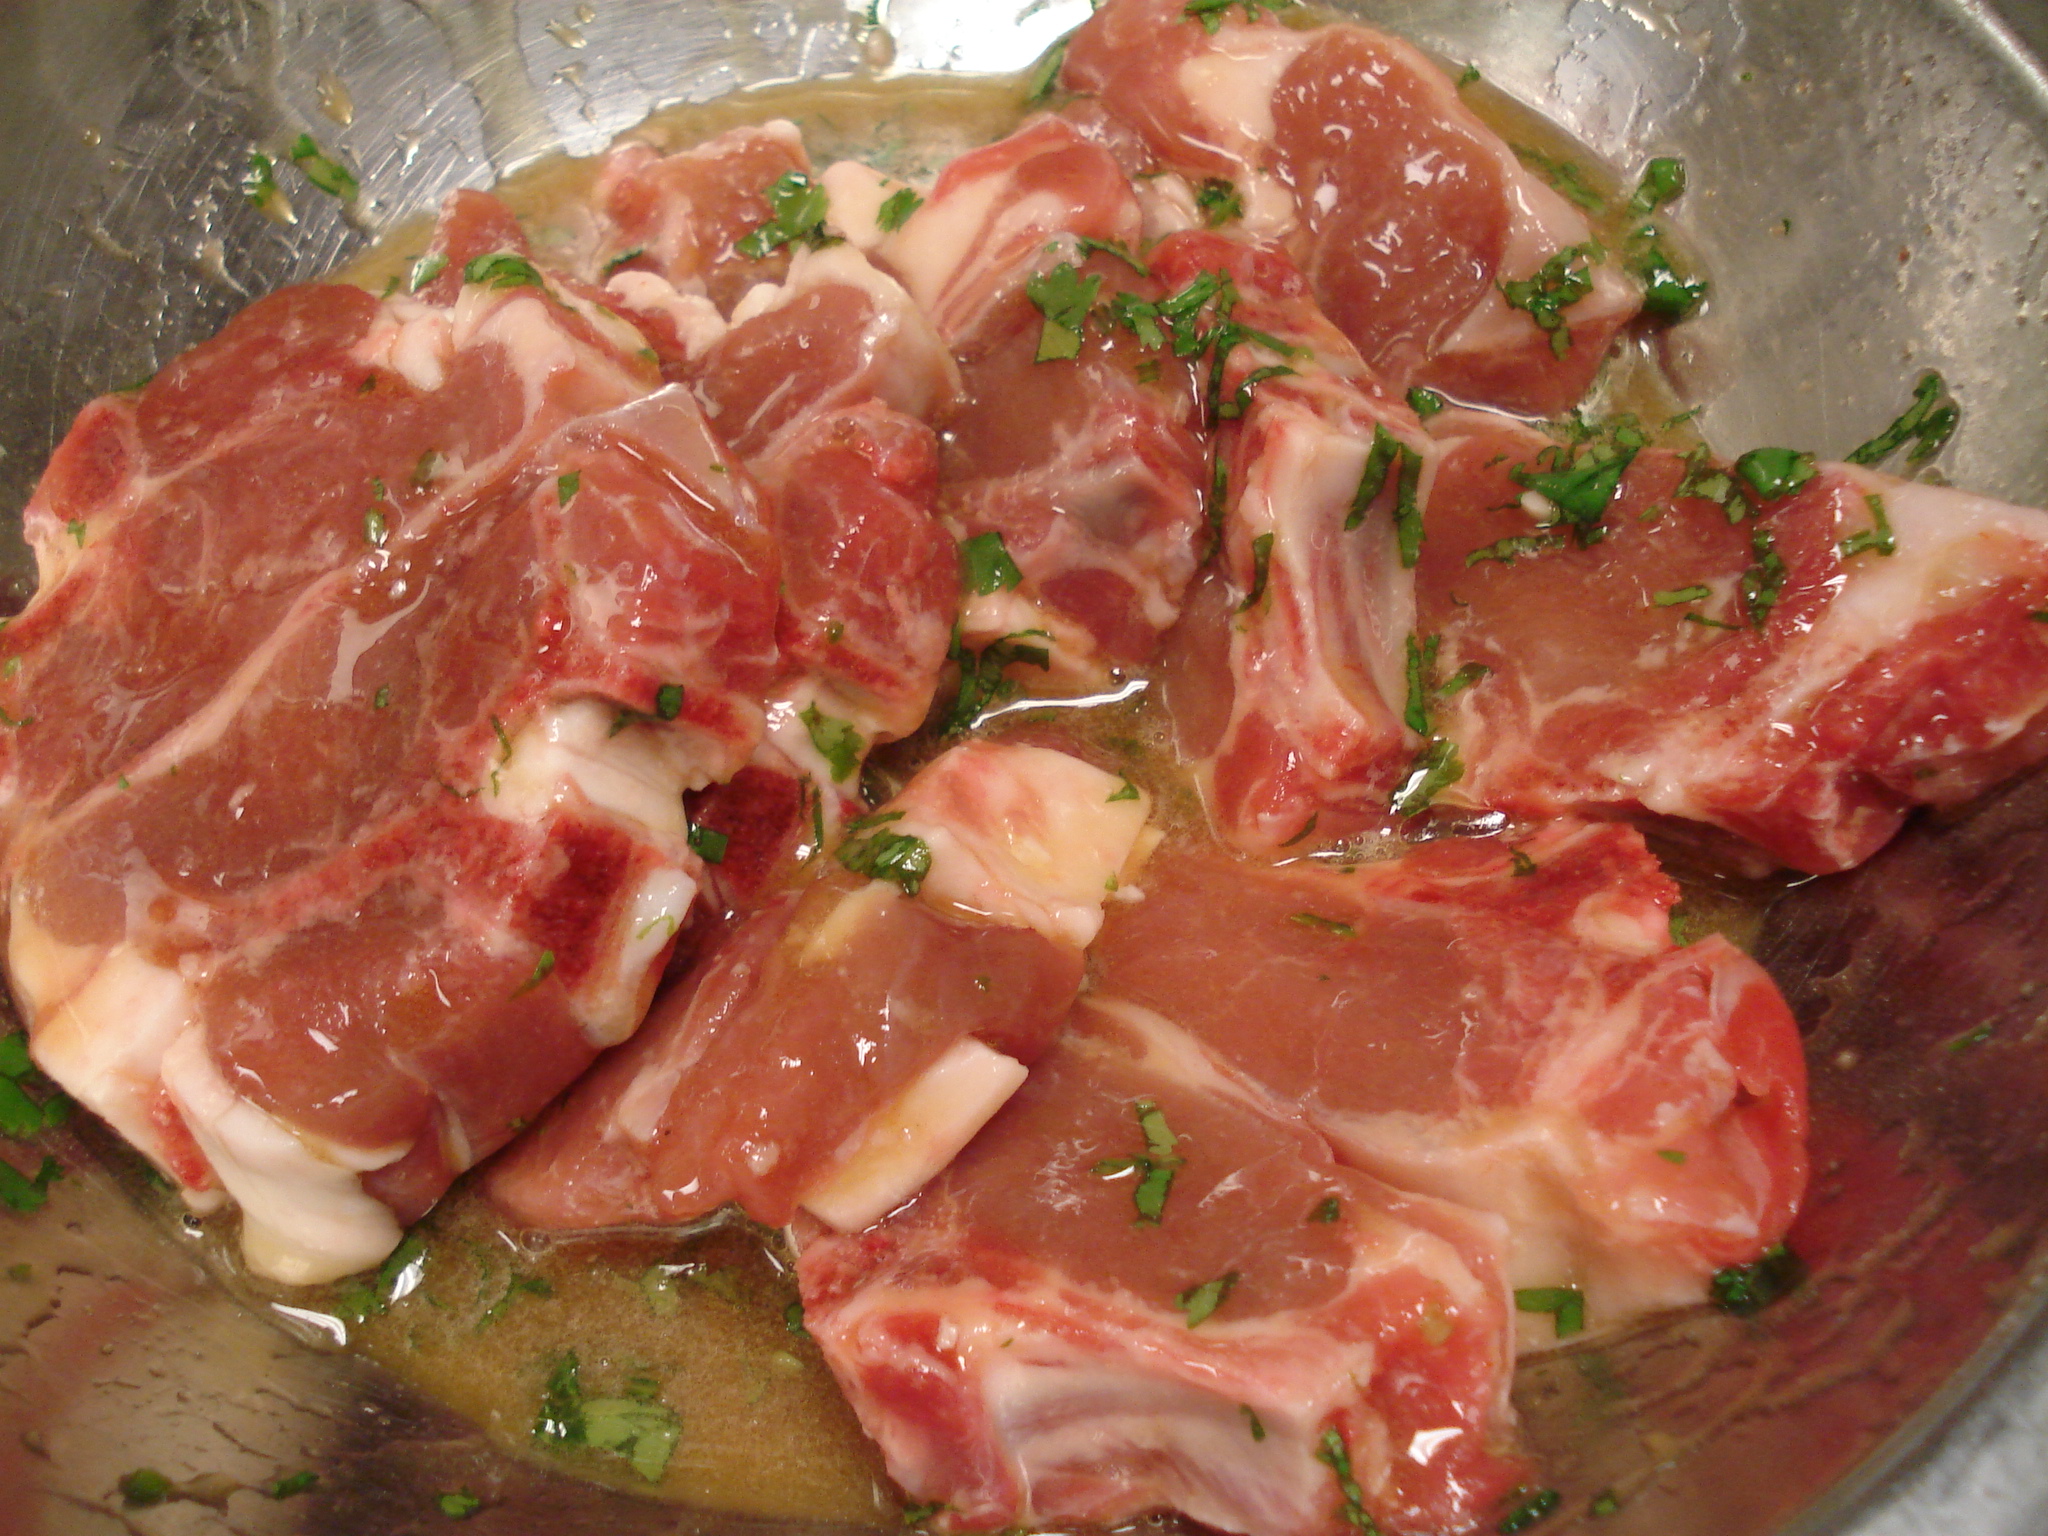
1218, 202
1262, 564
1201, 1301
326, 173
893, 856
708, 843
1565, 1304
897, 207
1558, 284
1663, 182
796, 212
1746, 1289
502, 269
1435, 769
1210, 13
1155, 1170
836, 740
644, 1432
1877, 537
1775, 473
986, 566
1064, 297
984, 674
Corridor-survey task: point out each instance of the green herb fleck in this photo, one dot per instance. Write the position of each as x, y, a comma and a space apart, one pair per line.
1468, 76
893, 856
1774, 473
259, 181
1210, 13
622, 258
542, 969
1327, 1210
1435, 769
1219, 202
1970, 1039
1565, 175
793, 1319
1565, 1304
1672, 1156
984, 674
1746, 1289
1665, 294
1336, 1455
986, 566
1520, 864
459, 1505
1663, 182
1763, 583
1064, 297
291, 1487
1262, 562
836, 740
1252, 1421
1696, 593
1877, 538
143, 1487
1155, 1169
1581, 484
1201, 1301
1467, 675
1330, 925
796, 213
1045, 74
1604, 1504
896, 208
425, 270
326, 173
502, 269
640, 1429
1558, 284
381, 699
1422, 653
1425, 402
26, 1193
567, 485
1507, 550
668, 701
708, 843
1927, 424
1536, 1506
1126, 790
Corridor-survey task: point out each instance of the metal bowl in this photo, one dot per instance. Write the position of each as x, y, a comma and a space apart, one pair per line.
1869, 179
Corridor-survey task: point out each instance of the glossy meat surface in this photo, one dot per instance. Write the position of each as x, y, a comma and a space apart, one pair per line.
1406, 212
847, 1029
1025, 1352
1530, 1044
1873, 683
379, 854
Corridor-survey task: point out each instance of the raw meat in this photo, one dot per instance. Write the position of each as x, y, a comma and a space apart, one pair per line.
345, 826
1874, 682
1026, 1353
1508, 1026
1406, 212
1091, 474
1290, 680
849, 1038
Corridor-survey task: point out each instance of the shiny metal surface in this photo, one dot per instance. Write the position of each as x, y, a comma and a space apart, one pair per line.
1870, 178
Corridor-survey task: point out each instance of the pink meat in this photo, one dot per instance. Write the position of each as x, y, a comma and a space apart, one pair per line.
1521, 1037
681, 215
1090, 468
1021, 1348
1405, 211
377, 846
753, 1078
1312, 617
1877, 682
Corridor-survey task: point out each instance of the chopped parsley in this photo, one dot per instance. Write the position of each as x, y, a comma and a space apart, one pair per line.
1336, 1455
1262, 564
1425, 402
1582, 483
29, 1102
1672, 1156
1124, 791
1309, 826
1435, 769
425, 270
1090, 246
892, 856
623, 257
1746, 1289
1045, 74
291, 1487
896, 208
1663, 182
793, 1319
458, 1505
1422, 652
24, 1192
396, 1278
1566, 1305
325, 172
502, 269
1520, 864
427, 470
560, 1419
1467, 675
1211, 13
1252, 1421
1532, 1508
986, 566
1218, 202
1927, 424
1558, 284
1155, 1169
796, 212
1665, 294
144, 1487
1707, 481
1064, 297
376, 528
1696, 593
1763, 582
516, 1285
1877, 538
567, 485
1604, 1504
1565, 175
836, 740
259, 180
1201, 1301
1327, 1210
381, 699
1970, 1039
1334, 927
1379, 459
1241, 400
1469, 75
1775, 473
708, 843
543, 968
638, 1427
1507, 550
984, 674
919, 1514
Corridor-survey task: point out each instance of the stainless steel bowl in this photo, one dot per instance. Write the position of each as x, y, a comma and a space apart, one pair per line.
1869, 182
